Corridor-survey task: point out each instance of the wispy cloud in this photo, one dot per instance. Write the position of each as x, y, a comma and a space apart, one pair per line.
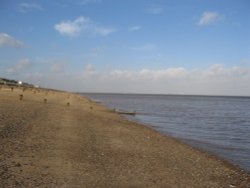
85, 2
215, 80
154, 9
145, 47
88, 71
66, 3
72, 28
9, 41
27, 7
103, 31
208, 18
22, 65
94, 52
82, 25
135, 28
57, 68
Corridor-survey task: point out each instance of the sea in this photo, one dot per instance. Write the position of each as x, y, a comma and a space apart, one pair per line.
219, 125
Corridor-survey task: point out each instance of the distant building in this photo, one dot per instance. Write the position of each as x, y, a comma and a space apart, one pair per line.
4, 81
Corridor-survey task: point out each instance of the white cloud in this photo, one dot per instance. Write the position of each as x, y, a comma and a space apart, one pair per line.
154, 9
145, 47
135, 28
178, 72
81, 25
214, 80
208, 18
27, 7
9, 41
22, 65
72, 28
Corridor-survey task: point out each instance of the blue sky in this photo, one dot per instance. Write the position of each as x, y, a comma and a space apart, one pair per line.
128, 46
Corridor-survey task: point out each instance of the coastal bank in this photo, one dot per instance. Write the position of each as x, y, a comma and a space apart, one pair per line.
58, 139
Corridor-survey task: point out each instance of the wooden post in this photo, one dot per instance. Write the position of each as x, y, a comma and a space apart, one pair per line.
20, 97
68, 104
12, 88
45, 100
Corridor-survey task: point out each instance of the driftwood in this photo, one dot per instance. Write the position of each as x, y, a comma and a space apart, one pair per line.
124, 112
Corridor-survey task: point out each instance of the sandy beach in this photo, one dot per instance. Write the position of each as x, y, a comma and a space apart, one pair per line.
59, 139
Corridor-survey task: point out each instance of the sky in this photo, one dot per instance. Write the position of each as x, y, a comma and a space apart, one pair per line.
128, 46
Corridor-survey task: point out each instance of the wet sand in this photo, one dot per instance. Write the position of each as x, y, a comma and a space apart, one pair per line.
59, 139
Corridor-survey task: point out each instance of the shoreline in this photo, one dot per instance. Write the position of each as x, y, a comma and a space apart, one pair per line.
204, 151
193, 146
123, 153
158, 94
184, 141
180, 141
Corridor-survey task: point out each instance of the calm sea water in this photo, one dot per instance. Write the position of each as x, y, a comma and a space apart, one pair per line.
220, 125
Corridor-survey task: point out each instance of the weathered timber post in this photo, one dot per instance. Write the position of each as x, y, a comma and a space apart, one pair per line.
20, 97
